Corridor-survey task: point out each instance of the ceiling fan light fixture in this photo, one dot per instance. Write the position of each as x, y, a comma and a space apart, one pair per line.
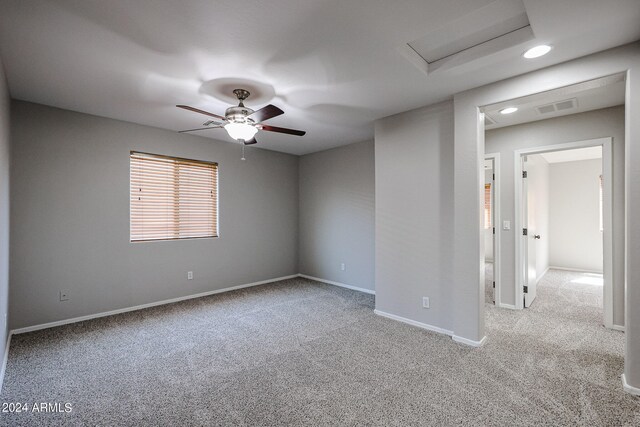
240, 131
537, 51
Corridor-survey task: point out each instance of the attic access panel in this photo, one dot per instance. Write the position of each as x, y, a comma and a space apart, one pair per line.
500, 25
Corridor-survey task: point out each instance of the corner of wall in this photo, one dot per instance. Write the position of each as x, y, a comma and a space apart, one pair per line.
298, 208
336, 211
5, 165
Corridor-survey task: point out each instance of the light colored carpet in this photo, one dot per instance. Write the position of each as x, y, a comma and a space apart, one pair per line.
302, 353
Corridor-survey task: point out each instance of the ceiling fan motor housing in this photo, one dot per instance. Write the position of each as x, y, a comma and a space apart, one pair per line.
239, 114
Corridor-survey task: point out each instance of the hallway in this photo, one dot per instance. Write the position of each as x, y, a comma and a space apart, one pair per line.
559, 351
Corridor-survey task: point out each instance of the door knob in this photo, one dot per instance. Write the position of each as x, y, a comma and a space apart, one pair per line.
536, 236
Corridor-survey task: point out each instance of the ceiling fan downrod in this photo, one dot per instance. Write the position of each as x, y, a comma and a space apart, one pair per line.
242, 94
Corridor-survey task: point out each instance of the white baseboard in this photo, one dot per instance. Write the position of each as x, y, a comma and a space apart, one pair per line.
617, 328
629, 389
467, 341
578, 270
542, 275
143, 306
414, 323
173, 300
342, 285
432, 328
4, 361
509, 306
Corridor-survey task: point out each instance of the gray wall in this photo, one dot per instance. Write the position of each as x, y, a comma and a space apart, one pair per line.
4, 210
337, 214
576, 127
575, 239
632, 213
70, 217
414, 214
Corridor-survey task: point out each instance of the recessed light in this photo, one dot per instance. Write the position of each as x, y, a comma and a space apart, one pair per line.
508, 110
537, 51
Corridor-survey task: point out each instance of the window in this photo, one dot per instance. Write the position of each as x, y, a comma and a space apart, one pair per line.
487, 206
172, 198
601, 203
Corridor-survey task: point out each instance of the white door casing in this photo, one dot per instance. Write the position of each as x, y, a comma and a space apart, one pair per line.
607, 163
529, 239
495, 209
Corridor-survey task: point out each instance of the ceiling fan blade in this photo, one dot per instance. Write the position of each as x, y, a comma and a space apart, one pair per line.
251, 141
265, 113
206, 113
283, 130
191, 130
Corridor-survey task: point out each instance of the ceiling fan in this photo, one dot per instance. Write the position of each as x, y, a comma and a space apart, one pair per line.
242, 123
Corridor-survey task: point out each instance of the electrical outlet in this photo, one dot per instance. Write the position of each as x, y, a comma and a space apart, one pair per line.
64, 295
343, 267
189, 275
425, 302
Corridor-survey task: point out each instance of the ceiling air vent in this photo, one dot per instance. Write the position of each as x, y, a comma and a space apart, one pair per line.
568, 104
546, 109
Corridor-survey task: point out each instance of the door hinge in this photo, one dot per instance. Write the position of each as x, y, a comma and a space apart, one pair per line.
494, 230
494, 284
525, 232
526, 289
524, 174
494, 177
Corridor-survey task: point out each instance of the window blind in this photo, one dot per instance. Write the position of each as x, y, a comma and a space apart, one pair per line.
487, 206
172, 198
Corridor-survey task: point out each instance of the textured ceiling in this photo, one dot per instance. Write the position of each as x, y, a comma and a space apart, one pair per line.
332, 66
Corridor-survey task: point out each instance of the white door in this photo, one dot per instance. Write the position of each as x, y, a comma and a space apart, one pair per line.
529, 239
493, 231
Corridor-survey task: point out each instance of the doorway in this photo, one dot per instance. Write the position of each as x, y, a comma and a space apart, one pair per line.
539, 124
472, 128
576, 231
